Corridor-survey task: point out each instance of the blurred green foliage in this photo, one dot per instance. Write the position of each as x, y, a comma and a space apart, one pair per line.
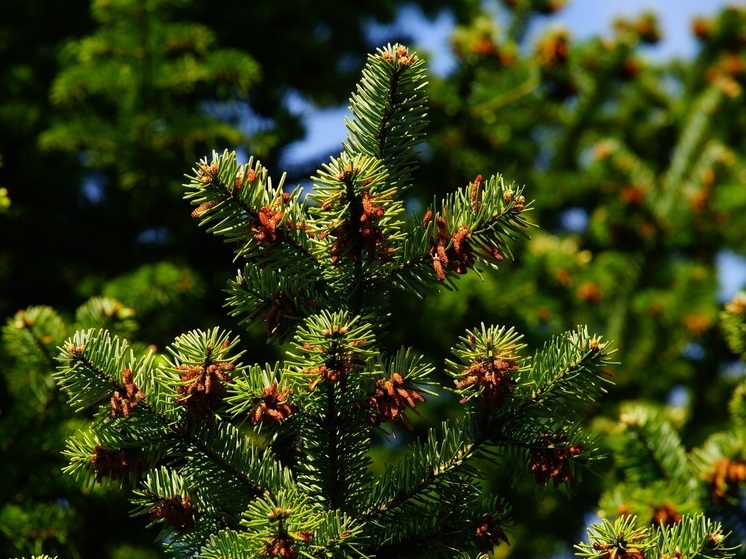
636, 173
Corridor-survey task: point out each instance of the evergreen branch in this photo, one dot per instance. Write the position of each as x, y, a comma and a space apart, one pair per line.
442, 532
691, 537
332, 488
328, 347
458, 518
95, 458
30, 336
424, 465
659, 502
565, 373
551, 371
107, 314
218, 459
187, 519
240, 203
356, 221
247, 391
620, 539
389, 111
533, 409
551, 450
339, 534
473, 224
695, 536
412, 270
693, 135
217, 442
291, 520
274, 460
719, 465
92, 367
333, 349
551, 446
695, 184
333, 467
648, 447
229, 468
287, 524
487, 365
280, 298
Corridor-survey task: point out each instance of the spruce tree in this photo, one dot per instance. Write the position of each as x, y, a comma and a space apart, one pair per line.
231, 458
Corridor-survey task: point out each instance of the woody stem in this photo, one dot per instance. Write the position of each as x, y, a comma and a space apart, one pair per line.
355, 300
334, 488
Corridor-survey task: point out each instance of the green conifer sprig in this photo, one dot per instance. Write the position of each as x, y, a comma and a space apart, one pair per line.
650, 447
719, 464
32, 335
238, 202
246, 392
108, 314
565, 372
713, 476
733, 323
416, 478
124, 446
35, 421
693, 537
661, 481
100, 361
472, 225
389, 110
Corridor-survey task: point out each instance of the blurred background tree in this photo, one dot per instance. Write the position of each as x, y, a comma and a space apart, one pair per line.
637, 176
636, 169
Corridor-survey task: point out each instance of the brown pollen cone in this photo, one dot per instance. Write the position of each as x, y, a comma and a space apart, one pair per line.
552, 461
489, 533
492, 377
203, 388
273, 407
726, 478
126, 398
177, 511
390, 400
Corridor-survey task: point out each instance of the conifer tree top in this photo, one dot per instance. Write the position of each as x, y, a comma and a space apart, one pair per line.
237, 459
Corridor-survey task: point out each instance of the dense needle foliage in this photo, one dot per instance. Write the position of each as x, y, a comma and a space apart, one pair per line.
234, 459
